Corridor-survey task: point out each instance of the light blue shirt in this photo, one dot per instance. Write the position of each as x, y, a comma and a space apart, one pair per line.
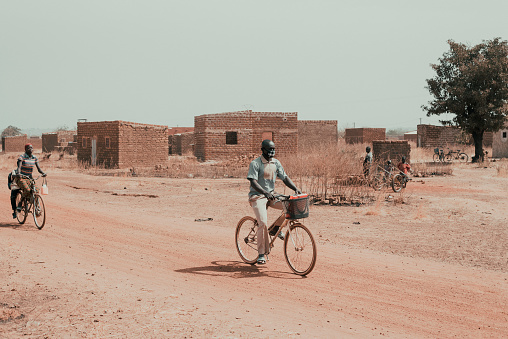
265, 173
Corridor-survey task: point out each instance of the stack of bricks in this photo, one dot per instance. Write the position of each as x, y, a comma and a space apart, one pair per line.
391, 150
249, 128
364, 135
317, 132
14, 144
122, 144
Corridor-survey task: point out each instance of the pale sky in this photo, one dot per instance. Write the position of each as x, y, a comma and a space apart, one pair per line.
362, 63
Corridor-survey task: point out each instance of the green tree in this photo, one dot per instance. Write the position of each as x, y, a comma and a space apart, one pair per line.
472, 84
11, 131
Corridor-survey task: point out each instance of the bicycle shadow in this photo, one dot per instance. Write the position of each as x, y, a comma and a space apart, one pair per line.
17, 226
13, 224
237, 270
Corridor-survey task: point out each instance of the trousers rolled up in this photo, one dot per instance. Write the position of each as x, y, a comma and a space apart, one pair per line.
24, 185
260, 205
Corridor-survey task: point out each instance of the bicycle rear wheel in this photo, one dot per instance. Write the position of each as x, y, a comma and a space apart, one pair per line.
436, 158
463, 157
246, 240
300, 249
39, 212
21, 216
397, 182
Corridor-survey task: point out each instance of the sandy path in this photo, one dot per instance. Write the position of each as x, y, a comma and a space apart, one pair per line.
111, 264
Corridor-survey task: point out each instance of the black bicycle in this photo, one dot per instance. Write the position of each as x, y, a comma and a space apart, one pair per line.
32, 203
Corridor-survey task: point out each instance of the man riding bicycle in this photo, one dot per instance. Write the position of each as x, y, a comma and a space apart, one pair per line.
262, 174
26, 164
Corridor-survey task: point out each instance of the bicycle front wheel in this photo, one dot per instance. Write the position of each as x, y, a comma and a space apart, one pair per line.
246, 240
463, 157
300, 249
377, 182
397, 183
39, 212
21, 216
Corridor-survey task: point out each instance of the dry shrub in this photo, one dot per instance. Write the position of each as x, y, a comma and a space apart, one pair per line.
330, 172
502, 169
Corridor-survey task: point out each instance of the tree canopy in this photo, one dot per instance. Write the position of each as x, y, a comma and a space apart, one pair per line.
472, 84
11, 131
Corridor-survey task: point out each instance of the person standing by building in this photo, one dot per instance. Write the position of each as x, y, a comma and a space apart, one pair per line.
367, 162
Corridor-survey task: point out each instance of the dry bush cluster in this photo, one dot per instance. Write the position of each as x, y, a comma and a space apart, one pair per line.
330, 173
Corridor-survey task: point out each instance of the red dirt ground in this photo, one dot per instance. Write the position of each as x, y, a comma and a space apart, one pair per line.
113, 262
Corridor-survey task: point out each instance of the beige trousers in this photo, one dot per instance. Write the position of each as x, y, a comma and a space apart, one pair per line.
260, 205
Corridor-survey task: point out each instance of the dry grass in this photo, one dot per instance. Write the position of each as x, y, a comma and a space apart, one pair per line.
331, 174
502, 169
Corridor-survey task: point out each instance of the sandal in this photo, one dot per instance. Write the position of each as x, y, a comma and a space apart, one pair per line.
261, 259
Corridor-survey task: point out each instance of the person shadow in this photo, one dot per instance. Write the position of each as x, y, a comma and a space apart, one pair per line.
237, 270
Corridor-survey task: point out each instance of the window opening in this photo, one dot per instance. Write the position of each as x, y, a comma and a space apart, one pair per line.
231, 138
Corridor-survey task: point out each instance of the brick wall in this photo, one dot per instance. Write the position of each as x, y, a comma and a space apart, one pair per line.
441, 136
317, 132
413, 137
249, 127
500, 143
364, 135
14, 144
58, 140
179, 130
36, 142
130, 144
181, 144
391, 150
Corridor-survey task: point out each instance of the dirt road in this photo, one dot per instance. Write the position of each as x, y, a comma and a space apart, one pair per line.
124, 257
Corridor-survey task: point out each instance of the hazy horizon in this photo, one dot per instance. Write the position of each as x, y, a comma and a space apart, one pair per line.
363, 64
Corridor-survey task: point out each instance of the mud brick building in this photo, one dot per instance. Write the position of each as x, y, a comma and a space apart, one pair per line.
225, 135
181, 144
317, 132
121, 144
411, 136
391, 150
60, 140
364, 135
181, 140
500, 143
14, 144
437, 136
17, 143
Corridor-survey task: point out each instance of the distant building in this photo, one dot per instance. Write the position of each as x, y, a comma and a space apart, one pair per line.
317, 132
122, 144
364, 135
60, 141
230, 134
500, 143
411, 136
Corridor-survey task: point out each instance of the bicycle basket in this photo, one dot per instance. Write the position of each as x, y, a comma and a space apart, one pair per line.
297, 206
436, 150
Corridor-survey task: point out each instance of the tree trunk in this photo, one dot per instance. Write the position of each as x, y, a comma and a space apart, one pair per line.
478, 146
